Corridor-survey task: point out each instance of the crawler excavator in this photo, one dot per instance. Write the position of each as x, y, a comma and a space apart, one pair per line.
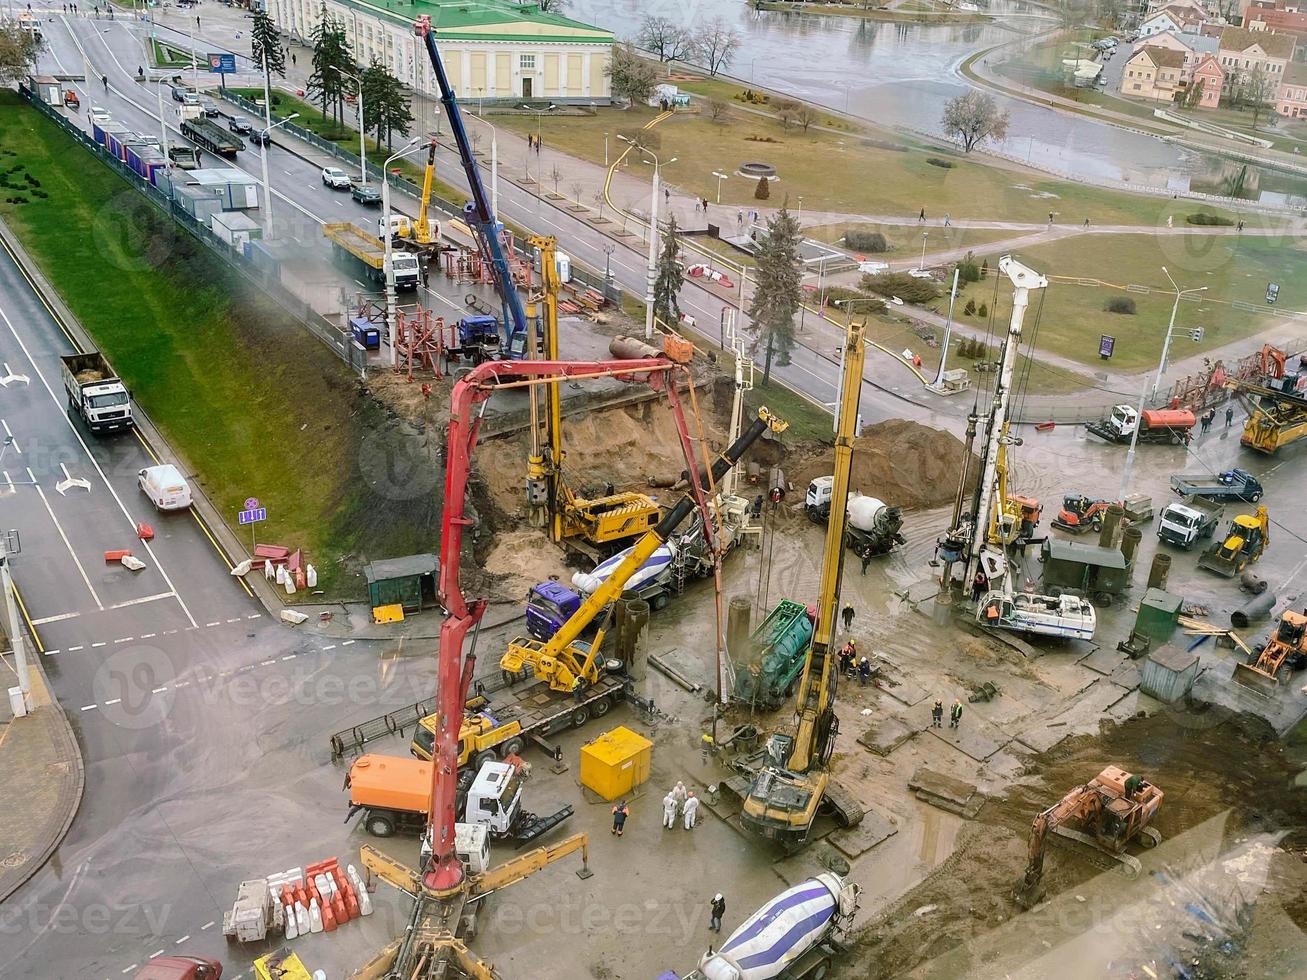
789, 780
1114, 808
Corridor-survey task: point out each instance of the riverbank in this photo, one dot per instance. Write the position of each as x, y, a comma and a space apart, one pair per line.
916, 12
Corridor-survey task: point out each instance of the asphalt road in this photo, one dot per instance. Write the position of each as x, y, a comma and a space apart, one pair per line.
302, 204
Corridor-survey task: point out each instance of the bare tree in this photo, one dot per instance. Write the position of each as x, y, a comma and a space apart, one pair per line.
974, 117
668, 40
806, 116
1259, 91
717, 45
788, 111
555, 175
600, 202
552, 6
716, 109
632, 77
577, 188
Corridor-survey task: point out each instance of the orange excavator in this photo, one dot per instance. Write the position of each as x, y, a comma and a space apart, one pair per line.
1114, 808
1080, 513
1287, 646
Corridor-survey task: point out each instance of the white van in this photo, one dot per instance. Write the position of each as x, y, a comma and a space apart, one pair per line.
165, 486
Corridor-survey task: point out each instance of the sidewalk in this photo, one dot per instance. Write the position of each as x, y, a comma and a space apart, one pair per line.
44, 777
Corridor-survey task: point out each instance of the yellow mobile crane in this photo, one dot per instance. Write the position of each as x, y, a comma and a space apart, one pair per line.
596, 525
1276, 417
423, 233
790, 778
568, 664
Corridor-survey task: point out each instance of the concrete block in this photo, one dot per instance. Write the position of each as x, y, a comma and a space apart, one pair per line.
889, 733
856, 841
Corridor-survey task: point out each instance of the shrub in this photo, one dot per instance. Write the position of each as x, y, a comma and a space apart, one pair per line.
984, 268
937, 162
1203, 218
970, 308
763, 190
836, 294
900, 284
1120, 304
968, 271
982, 311
865, 241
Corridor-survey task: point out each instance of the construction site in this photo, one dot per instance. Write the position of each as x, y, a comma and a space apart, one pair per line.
697, 684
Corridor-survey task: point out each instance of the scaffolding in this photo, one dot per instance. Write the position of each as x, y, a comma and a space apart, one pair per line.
421, 342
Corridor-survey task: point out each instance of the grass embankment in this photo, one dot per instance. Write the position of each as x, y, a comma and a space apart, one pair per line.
906, 239
167, 56
1232, 268
254, 405
835, 171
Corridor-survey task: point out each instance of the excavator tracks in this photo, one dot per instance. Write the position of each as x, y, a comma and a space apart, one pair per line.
1126, 864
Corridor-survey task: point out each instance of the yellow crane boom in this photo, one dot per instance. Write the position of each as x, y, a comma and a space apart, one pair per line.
422, 233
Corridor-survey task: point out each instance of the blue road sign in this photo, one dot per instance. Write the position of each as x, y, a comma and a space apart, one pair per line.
253, 516
223, 64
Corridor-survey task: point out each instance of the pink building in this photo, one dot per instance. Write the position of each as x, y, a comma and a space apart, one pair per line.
1291, 100
1211, 76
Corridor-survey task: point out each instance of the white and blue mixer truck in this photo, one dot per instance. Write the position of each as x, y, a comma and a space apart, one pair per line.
795, 936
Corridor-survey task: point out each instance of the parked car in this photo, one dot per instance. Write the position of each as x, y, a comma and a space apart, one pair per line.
98, 115
180, 968
368, 194
165, 486
210, 107
237, 125
260, 136
336, 179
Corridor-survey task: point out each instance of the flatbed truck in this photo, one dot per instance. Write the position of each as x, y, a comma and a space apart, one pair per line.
1233, 484
353, 246
210, 136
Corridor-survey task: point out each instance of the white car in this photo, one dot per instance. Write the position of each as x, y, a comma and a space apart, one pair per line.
165, 486
335, 178
98, 115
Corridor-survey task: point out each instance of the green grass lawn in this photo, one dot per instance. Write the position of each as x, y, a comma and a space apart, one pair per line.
1233, 268
833, 171
254, 405
905, 240
166, 56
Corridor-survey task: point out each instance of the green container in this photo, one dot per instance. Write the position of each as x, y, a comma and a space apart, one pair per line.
1159, 615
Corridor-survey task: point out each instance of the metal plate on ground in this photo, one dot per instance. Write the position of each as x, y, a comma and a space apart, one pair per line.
975, 738
1043, 737
888, 734
813, 860
1103, 661
946, 793
856, 841
905, 692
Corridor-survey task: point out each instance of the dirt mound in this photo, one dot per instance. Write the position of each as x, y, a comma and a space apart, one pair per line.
904, 463
522, 558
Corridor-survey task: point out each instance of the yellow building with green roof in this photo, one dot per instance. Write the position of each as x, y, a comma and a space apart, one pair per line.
493, 50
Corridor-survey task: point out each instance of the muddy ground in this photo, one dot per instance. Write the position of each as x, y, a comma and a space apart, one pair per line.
1210, 765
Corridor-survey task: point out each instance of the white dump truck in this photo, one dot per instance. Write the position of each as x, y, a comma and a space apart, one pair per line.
795, 936
95, 392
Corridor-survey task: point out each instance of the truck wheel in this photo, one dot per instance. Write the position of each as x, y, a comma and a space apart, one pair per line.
1096, 524
600, 707
580, 716
380, 825
659, 602
820, 970
512, 747
1255, 496
484, 756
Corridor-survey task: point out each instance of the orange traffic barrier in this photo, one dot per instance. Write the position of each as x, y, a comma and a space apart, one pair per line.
352, 903
117, 555
144, 532
338, 908
328, 918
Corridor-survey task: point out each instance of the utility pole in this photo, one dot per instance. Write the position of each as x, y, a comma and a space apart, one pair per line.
652, 272
1024, 279
12, 624
948, 332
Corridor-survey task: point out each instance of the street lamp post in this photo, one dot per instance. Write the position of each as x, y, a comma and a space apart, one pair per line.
494, 163
605, 151
720, 177
386, 239
363, 145
798, 217
263, 157
921, 266
1166, 344
652, 271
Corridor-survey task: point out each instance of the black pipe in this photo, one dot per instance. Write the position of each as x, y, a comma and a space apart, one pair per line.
720, 468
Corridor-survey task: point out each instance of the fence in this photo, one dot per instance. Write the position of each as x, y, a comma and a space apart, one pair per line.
333, 337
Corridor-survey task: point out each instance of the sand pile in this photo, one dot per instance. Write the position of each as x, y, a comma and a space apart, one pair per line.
904, 463
523, 557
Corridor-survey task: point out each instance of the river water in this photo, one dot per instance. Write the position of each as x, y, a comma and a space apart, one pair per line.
902, 75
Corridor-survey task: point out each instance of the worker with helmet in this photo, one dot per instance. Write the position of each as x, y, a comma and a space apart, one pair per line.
864, 670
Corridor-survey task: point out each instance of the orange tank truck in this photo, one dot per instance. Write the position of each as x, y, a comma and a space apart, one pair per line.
394, 792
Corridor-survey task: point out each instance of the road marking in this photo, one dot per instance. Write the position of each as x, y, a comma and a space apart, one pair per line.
212, 624
100, 644
51, 653
159, 690
169, 632
71, 649
207, 925
267, 663
147, 636
149, 598
130, 968
125, 639
236, 620
78, 436
182, 684
54, 619
12, 441
346, 643
114, 701
157, 952
88, 707
290, 656
182, 940
332, 647
67, 544
253, 616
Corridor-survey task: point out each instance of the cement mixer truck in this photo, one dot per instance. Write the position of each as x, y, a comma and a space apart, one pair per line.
873, 526
795, 936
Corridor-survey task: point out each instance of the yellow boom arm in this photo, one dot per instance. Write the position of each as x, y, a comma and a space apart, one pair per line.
422, 233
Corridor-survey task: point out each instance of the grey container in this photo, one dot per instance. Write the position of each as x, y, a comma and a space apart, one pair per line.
1169, 673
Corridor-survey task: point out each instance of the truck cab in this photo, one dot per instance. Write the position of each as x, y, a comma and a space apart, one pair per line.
407, 270
548, 606
180, 967
1185, 523
494, 799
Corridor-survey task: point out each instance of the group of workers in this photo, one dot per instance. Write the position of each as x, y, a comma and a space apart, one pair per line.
853, 666
683, 801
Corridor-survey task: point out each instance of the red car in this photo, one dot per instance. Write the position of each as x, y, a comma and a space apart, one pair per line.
180, 968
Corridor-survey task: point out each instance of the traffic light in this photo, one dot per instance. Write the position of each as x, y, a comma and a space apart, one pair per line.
1196, 334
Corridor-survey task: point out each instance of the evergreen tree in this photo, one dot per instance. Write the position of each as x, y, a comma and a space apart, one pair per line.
387, 109
667, 287
331, 56
266, 42
778, 293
